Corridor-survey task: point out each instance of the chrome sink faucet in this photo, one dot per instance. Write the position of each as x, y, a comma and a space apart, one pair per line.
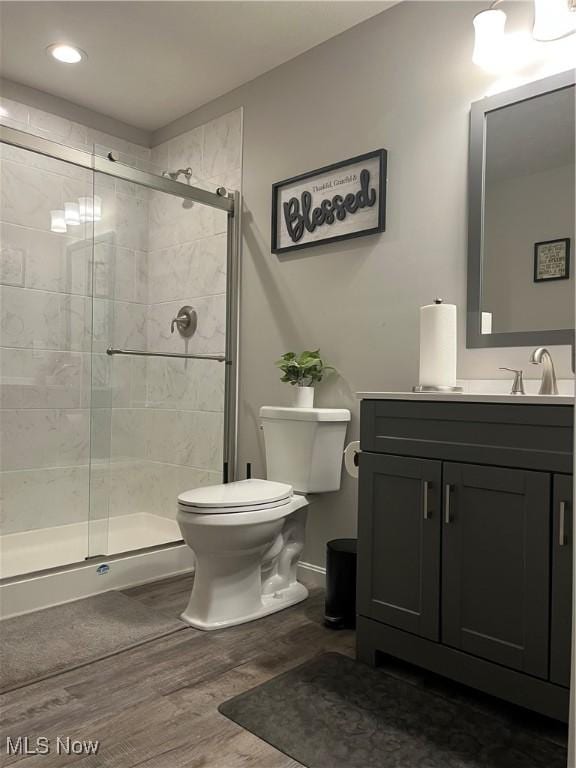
548, 386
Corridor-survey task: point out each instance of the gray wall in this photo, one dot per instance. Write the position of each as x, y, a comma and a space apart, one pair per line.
403, 80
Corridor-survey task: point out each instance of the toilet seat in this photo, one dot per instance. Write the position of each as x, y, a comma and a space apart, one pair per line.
242, 516
241, 503
239, 497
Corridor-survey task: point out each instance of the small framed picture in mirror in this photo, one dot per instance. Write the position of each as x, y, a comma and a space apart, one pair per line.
552, 260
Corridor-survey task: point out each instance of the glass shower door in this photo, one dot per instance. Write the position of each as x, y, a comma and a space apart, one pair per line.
45, 351
157, 420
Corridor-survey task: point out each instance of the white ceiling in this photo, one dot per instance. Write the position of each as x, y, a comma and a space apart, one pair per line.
152, 62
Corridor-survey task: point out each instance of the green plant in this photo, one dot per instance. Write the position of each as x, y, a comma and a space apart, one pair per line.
303, 370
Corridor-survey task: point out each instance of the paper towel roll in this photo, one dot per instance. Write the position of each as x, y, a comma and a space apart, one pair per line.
438, 345
350, 458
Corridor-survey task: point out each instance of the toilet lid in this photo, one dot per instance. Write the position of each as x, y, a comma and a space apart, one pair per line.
242, 493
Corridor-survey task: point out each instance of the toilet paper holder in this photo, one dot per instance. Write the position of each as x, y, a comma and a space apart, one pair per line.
351, 454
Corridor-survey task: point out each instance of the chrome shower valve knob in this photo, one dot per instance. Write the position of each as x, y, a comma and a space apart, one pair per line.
186, 321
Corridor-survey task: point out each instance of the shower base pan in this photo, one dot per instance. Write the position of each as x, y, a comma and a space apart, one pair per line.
44, 548
140, 548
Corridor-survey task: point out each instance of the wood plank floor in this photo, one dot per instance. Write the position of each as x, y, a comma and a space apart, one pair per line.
156, 705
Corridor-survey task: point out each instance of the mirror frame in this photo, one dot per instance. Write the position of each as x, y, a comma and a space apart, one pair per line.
476, 167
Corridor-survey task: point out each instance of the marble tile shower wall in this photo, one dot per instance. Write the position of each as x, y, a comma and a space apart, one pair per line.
187, 265
50, 325
151, 427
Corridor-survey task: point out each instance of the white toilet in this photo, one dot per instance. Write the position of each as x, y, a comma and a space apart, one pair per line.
247, 536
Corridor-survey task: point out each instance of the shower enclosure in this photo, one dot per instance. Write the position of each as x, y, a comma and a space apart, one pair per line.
118, 349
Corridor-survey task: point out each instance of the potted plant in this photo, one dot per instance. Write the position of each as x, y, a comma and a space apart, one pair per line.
303, 371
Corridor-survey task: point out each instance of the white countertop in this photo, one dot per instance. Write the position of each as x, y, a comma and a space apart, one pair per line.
469, 397
484, 391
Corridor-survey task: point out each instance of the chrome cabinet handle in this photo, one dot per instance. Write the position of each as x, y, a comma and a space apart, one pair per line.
425, 486
447, 513
562, 526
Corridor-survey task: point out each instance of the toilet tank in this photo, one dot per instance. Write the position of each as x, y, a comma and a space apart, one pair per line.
304, 446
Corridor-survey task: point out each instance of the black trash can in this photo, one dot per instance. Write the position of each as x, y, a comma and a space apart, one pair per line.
340, 609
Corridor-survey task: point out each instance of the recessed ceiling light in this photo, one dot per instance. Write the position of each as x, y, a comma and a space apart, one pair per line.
68, 54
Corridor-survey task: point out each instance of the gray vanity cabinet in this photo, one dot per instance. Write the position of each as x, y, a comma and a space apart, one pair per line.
495, 565
561, 595
399, 540
464, 554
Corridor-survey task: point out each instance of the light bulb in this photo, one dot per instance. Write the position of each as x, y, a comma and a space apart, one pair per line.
90, 208
57, 222
72, 214
489, 38
67, 54
553, 20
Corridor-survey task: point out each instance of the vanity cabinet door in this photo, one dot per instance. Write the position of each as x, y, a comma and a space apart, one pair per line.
496, 565
399, 542
562, 554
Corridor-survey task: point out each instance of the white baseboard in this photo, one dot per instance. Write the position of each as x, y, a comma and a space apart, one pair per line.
312, 575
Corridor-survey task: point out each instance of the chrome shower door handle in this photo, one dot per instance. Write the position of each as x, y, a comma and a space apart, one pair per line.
447, 510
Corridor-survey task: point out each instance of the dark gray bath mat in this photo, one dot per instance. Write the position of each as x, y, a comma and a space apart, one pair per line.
333, 712
41, 644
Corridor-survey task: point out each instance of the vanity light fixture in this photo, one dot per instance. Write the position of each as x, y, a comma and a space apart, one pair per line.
67, 54
90, 208
72, 214
553, 20
497, 51
489, 37
85, 210
58, 222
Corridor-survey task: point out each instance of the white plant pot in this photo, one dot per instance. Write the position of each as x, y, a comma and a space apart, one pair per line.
304, 397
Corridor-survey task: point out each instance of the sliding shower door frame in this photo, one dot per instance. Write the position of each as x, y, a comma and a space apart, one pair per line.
112, 167
227, 201
232, 340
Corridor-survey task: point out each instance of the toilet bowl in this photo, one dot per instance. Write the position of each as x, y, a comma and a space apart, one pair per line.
247, 536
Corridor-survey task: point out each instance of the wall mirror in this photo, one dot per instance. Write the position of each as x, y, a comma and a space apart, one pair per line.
521, 216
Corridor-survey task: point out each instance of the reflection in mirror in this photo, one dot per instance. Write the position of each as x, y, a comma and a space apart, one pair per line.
528, 223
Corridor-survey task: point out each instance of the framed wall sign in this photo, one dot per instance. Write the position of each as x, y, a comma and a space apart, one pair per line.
340, 201
552, 260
